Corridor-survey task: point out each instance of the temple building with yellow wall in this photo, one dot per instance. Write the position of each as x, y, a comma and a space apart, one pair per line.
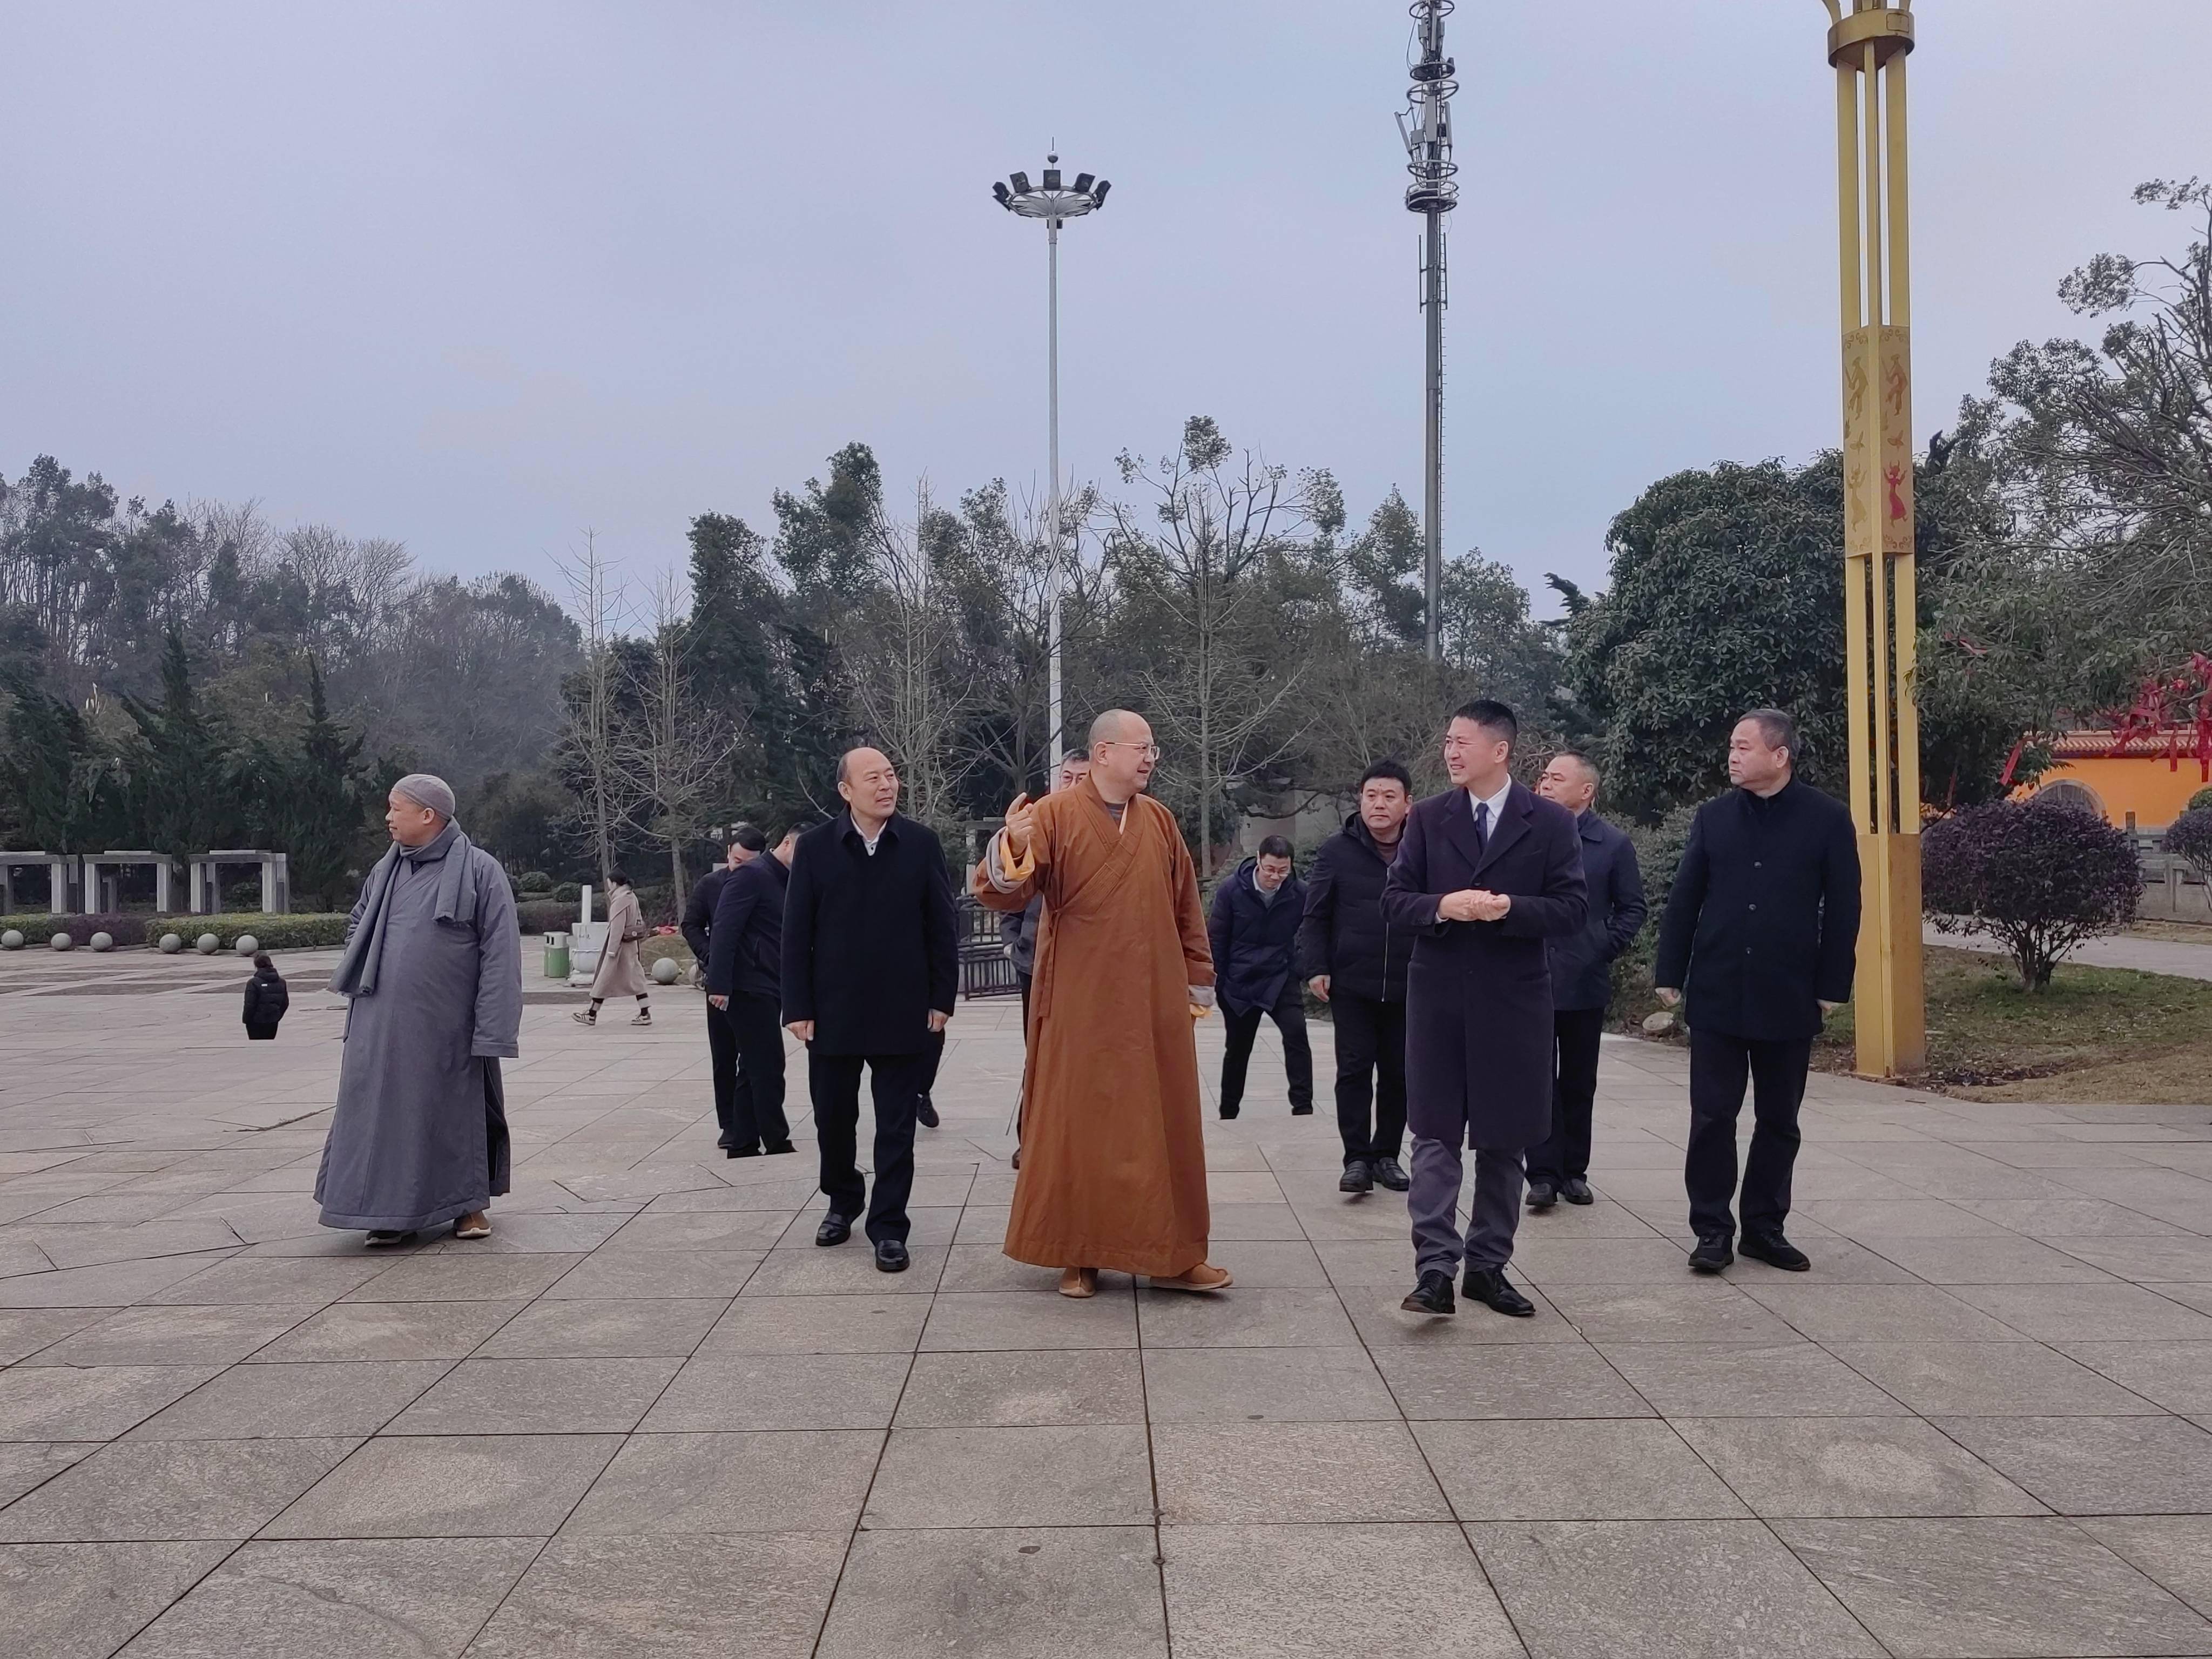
2135, 785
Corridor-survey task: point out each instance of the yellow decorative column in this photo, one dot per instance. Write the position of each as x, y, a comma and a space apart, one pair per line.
1867, 47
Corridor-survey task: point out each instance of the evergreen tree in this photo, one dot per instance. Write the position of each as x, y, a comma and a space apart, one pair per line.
315, 798
182, 780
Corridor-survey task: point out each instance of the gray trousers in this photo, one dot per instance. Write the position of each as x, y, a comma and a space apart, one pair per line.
1493, 1210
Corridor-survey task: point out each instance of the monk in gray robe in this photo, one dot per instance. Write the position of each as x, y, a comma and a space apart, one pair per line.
433, 970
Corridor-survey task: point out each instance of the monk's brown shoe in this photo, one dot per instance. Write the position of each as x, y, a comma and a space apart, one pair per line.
1204, 1277
1081, 1282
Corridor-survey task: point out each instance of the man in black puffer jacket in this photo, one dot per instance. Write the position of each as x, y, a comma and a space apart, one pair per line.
267, 997
1355, 962
1253, 928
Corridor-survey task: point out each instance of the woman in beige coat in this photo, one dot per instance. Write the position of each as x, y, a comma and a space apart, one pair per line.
621, 970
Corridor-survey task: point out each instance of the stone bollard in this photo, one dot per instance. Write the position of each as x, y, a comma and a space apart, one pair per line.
11, 940
207, 944
664, 971
62, 942
171, 944
102, 941
247, 944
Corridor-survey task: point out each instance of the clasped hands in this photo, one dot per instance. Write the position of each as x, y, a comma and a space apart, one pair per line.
1473, 904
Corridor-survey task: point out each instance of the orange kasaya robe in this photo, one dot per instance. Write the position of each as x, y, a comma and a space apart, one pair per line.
1113, 1160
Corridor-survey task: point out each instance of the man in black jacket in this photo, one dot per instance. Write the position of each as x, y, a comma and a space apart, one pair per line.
1253, 926
1353, 960
870, 969
744, 990
1762, 930
1582, 981
743, 845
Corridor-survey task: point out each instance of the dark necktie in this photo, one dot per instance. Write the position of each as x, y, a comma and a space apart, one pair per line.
1482, 822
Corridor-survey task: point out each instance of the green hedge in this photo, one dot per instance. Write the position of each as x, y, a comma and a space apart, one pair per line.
279, 932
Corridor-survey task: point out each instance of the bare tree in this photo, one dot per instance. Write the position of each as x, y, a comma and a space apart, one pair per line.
1203, 576
900, 649
671, 748
591, 726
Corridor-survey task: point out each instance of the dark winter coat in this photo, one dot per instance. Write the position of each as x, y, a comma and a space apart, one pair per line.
1252, 938
698, 924
744, 948
1581, 965
1762, 924
1017, 932
267, 997
1345, 933
1478, 1033
869, 945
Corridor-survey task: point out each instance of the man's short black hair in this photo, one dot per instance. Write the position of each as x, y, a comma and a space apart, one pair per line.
1777, 728
1491, 715
619, 879
1078, 753
1395, 771
1580, 759
751, 836
1275, 847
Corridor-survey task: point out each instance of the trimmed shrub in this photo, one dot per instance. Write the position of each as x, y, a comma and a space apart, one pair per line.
2038, 876
2189, 838
130, 929
308, 931
545, 916
2202, 800
567, 892
533, 881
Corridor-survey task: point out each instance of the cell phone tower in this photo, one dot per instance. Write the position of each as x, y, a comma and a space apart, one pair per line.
1426, 128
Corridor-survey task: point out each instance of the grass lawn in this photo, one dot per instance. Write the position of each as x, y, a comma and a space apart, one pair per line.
2097, 1034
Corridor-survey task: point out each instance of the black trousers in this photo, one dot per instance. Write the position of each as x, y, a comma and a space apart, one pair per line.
1371, 1073
1565, 1155
756, 1026
1718, 1068
1289, 1014
722, 1063
932, 1058
834, 1083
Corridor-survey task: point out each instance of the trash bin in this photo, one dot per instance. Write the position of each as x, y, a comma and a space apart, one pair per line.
556, 956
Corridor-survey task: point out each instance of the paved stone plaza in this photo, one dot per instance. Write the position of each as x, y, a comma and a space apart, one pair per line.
648, 1417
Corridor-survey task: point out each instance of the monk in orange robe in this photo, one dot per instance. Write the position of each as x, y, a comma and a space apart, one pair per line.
1113, 1170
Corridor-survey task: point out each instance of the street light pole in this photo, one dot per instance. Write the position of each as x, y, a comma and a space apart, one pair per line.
1052, 201
1867, 46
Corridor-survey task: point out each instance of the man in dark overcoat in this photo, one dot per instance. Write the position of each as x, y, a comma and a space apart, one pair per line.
1582, 981
744, 844
870, 969
1485, 873
1253, 928
744, 990
1761, 929
1355, 962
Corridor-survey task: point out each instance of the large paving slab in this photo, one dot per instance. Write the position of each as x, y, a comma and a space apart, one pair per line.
649, 1416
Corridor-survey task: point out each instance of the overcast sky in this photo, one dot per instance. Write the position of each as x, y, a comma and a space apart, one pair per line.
477, 276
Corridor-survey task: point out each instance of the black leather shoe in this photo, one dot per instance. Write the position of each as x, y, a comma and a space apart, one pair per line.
1433, 1295
1775, 1251
891, 1256
835, 1228
1489, 1286
925, 1113
1228, 1112
781, 1147
1305, 1111
1576, 1190
1358, 1177
741, 1151
1389, 1172
1542, 1196
1711, 1254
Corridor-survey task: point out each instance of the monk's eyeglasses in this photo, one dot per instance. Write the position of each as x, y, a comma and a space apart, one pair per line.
1152, 750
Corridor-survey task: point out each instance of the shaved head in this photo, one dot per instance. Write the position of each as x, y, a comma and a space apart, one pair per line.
1111, 726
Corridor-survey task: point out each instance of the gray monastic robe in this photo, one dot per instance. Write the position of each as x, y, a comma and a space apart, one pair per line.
419, 1136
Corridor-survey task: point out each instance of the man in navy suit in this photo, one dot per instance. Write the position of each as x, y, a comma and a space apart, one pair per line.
1485, 873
